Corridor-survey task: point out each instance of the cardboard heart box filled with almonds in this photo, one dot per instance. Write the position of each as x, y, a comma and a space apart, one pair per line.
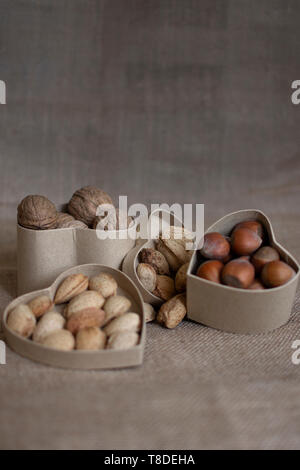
91, 317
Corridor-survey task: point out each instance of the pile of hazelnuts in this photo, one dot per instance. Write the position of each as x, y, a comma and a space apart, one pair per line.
243, 260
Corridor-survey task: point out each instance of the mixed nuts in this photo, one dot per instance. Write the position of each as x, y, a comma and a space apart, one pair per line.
244, 260
39, 213
93, 316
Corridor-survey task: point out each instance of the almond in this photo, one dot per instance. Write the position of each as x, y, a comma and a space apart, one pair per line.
172, 260
165, 287
40, 305
104, 283
126, 322
91, 338
180, 279
116, 306
123, 340
156, 259
22, 321
147, 276
60, 339
85, 318
178, 250
171, 313
70, 287
150, 313
87, 299
51, 321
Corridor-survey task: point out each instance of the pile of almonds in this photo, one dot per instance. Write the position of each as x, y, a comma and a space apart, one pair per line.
244, 260
162, 272
94, 316
39, 213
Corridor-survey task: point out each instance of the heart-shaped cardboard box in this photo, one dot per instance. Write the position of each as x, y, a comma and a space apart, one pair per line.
131, 260
102, 359
44, 254
239, 310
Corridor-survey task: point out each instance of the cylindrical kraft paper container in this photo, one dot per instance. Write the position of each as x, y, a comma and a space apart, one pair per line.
240, 310
79, 359
44, 254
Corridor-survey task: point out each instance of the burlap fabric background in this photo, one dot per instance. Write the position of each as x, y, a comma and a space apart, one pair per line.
166, 101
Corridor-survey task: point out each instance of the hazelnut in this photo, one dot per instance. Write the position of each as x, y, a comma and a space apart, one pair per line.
264, 255
253, 225
156, 259
84, 203
37, 213
276, 273
211, 270
215, 246
245, 241
256, 285
238, 273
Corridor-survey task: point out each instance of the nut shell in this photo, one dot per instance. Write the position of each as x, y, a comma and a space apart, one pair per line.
104, 283
40, 305
180, 278
264, 255
172, 312
123, 340
22, 321
83, 301
147, 276
211, 271
91, 316
116, 306
150, 313
84, 203
276, 273
156, 259
126, 322
60, 339
238, 273
91, 338
244, 241
172, 260
215, 246
51, 321
67, 221
256, 285
165, 287
37, 213
70, 287
253, 225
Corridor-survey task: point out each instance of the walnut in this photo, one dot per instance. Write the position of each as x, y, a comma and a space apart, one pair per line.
37, 212
84, 203
112, 221
65, 220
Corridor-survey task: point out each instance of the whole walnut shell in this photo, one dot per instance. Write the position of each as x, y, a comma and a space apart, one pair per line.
113, 221
37, 213
84, 203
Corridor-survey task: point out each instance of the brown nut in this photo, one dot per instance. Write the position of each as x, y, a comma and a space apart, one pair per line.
238, 273
256, 285
215, 246
84, 203
67, 221
253, 225
91, 338
180, 278
172, 260
126, 322
116, 306
37, 213
264, 255
51, 321
150, 313
87, 299
22, 321
60, 339
211, 271
156, 259
90, 316
104, 283
178, 250
123, 340
245, 241
112, 220
40, 305
276, 273
70, 287
179, 234
147, 276
165, 287
172, 312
